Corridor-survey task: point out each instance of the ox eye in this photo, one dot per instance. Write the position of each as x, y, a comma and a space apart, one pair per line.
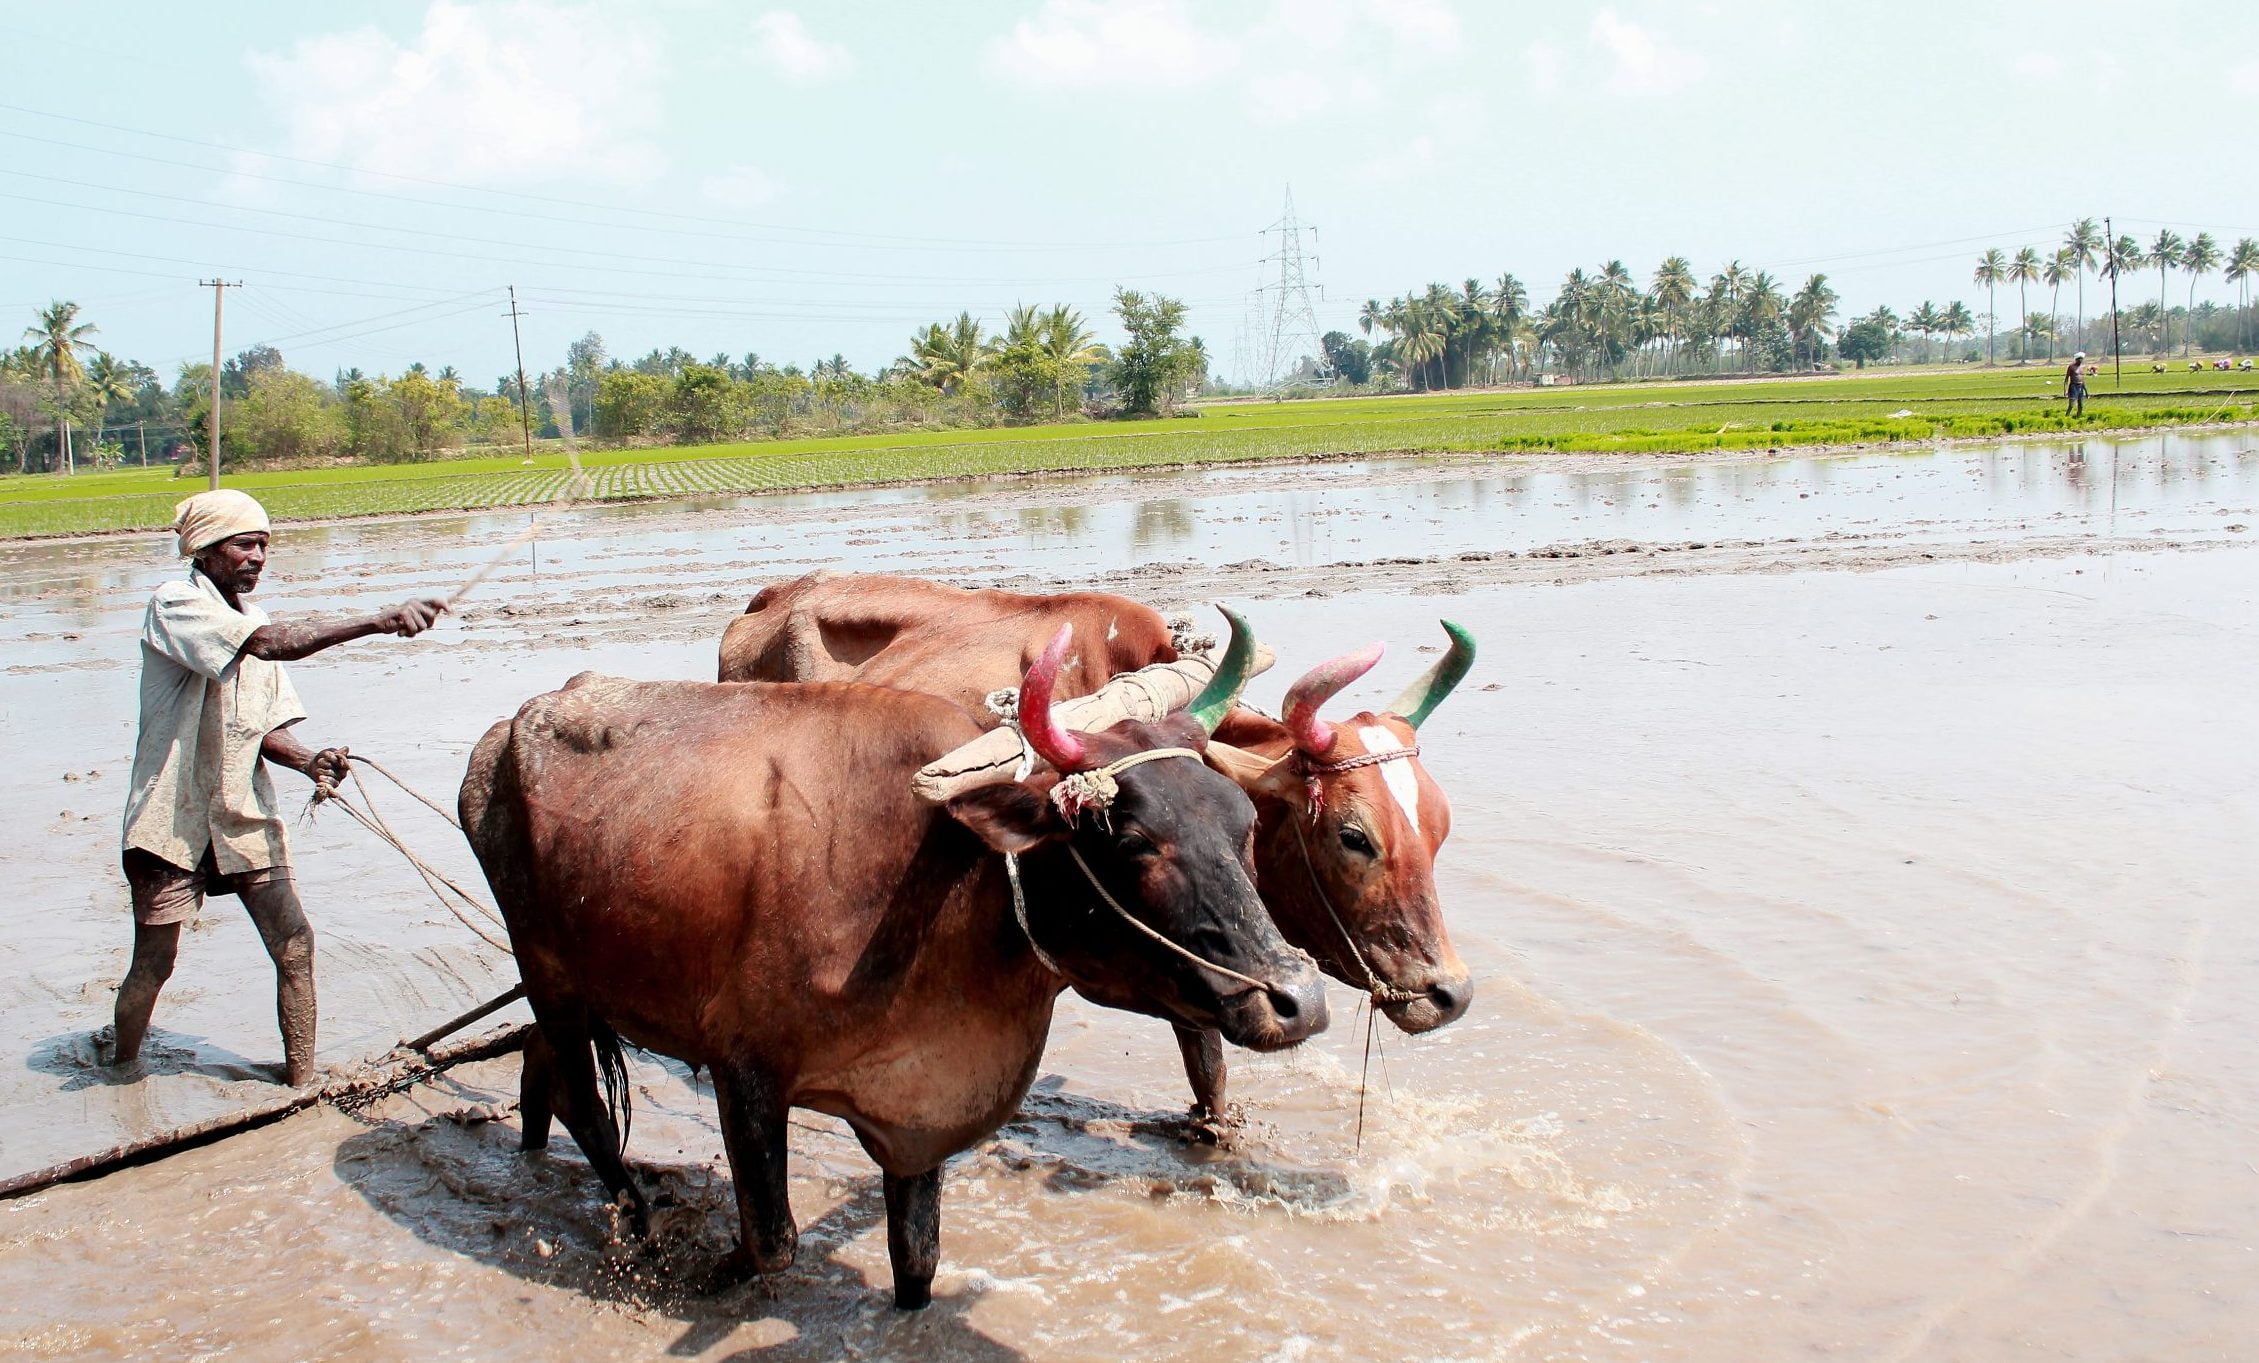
1134, 844
1353, 838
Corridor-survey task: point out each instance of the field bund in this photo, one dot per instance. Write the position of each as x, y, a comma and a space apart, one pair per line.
1852, 410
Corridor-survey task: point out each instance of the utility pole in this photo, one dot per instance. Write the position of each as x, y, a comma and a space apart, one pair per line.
2110, 253
525, 400
219, 288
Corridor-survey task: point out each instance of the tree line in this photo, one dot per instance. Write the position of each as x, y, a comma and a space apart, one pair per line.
1607, 324
64, 403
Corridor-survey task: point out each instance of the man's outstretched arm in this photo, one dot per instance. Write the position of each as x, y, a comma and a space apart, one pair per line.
284, 641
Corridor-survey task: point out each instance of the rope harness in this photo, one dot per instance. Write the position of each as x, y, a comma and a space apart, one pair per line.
1312, 769
453, 897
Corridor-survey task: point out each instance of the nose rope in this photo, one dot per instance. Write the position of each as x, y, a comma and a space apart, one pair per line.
1134, 921
1381, 993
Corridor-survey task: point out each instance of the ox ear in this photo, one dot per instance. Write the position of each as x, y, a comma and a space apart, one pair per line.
1014, 816
1254, 773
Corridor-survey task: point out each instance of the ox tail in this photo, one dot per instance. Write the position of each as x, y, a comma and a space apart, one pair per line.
611, 1068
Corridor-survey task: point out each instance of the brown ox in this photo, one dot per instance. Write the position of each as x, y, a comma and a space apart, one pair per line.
905, 631
1345, 852
739, 876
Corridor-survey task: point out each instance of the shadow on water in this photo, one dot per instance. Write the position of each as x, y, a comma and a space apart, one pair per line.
458, 1181
76, 1058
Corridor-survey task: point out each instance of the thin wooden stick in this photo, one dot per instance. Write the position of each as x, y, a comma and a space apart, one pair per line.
453, 1025
488, 571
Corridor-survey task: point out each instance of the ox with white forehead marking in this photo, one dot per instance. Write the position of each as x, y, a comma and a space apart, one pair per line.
1403, 783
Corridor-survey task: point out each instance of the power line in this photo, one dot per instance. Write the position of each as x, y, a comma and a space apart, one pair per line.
864, 240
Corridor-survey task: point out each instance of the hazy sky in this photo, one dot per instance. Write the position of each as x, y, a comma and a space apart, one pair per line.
803, 180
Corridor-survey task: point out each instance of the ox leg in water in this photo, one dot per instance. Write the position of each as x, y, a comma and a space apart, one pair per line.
913, 1235
572, 1049
1203, 1051
753, 1134
537, 1082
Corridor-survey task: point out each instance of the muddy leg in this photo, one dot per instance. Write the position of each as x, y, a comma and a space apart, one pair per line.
537, 1078
583, 1107
753, 1133
282, 925
155, 947
913, 1235
1204, 1067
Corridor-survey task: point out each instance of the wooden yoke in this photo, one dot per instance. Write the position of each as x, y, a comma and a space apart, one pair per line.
1147, 695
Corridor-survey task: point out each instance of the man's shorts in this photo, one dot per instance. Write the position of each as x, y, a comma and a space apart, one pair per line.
164, 894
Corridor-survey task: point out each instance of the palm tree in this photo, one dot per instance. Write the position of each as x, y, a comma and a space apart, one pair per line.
1957, 321
2165, 253
1509, 315
1928, 321
1069, 346
57, 338
2082, 241
1808, 315
1992, 267
2243, 262
2057, 269
1673, 290
948, 356
2024, 269
2199, 258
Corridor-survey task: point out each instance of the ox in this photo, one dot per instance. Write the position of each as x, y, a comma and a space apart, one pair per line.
1349, 821
739, 876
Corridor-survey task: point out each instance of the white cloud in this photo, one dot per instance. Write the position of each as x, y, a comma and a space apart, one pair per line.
739, 187
1079, 44
524, 91
785, 45
1641, 60
2243, 78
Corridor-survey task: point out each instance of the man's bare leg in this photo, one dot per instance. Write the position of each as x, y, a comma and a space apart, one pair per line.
282, 925
155, 946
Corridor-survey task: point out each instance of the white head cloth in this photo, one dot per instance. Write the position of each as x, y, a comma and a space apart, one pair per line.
207, 518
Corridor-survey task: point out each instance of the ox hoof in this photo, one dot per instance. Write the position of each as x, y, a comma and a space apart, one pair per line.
741, 1265
1203, 1127
913, 1296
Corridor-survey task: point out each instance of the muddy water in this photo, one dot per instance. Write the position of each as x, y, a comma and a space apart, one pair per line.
1865, 968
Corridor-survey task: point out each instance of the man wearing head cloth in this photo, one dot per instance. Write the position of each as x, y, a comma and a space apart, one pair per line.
216, 709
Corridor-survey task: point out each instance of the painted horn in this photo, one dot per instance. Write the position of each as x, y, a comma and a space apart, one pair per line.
1222, 691
1317, 686
1053, 742
1421, 697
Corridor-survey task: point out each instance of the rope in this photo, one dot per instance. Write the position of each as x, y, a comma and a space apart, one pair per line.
437, 881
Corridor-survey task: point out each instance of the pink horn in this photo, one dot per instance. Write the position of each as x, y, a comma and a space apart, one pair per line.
1318, 685
1061, 747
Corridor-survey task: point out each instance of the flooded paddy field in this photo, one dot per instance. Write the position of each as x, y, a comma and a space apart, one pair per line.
1860, 905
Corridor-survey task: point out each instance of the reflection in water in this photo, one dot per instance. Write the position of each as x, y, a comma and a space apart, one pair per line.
1162, 522
1346, 512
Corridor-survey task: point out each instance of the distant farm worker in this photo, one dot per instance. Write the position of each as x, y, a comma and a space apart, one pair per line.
2074, 386
201, 815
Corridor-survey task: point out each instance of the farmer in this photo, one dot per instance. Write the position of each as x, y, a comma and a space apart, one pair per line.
201, 815
2074, 386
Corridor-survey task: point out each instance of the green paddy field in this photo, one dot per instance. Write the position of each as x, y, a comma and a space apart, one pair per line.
1663, 418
